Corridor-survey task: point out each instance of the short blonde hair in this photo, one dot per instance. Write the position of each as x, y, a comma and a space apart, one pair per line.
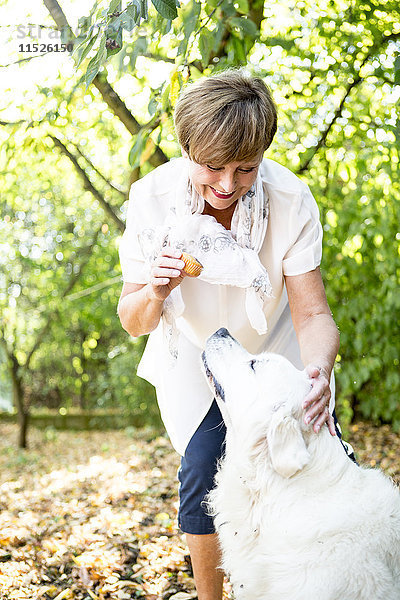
227, 117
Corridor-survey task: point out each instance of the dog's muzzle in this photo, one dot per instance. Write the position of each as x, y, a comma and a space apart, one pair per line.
219, 392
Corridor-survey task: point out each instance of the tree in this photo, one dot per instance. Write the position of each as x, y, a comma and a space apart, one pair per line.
332, 71
52, 317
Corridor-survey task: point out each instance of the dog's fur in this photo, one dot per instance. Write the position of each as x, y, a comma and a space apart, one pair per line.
296, 518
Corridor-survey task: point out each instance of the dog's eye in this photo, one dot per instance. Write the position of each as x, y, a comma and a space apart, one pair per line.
252, 363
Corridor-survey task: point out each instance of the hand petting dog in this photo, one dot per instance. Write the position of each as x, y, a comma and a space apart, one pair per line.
317, 401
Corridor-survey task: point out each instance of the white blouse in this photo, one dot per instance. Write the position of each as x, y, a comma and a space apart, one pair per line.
292, 246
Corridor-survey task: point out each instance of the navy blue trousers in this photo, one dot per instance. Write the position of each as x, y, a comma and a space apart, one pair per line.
198, 467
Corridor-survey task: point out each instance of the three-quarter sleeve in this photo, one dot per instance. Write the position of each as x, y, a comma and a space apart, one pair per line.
305, 232
130, 250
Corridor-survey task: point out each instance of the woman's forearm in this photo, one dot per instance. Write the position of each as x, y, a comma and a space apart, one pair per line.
319, 341
140, 307
140, 311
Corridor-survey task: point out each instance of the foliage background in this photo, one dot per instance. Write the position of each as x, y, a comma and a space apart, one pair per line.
71, 148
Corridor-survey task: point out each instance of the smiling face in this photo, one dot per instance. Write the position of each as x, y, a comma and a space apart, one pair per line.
221, 186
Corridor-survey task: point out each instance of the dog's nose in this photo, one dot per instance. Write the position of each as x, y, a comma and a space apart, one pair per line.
222, 332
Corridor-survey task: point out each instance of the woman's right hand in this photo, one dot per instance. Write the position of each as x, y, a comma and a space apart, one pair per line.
166, 273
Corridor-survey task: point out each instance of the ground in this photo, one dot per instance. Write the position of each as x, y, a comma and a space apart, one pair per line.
92, 515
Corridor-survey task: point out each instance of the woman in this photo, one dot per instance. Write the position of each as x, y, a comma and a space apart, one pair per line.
255, 228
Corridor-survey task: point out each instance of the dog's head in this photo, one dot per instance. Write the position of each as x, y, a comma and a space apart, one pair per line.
260, 398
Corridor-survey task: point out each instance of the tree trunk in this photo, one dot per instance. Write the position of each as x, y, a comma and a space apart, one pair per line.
23, 419
256, 11
23, 413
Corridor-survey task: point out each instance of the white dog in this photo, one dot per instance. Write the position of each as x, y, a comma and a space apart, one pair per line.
296, 518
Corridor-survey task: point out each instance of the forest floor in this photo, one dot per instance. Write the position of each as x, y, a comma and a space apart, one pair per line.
92, 515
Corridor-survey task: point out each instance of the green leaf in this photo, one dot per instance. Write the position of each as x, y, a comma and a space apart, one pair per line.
239, 51
145, 10
190, 15
139, 48
228, 8
79, 42
397, 70
166, 8
206, 42
93, 10
84, 23
245, 27
116, 36
96, 62
180, 57
137, 148
152, 106
67, 36
397, 131
115, 5
102, 13
87, 48
218, 34
128, 19
285, 43
166, 26
165, 97
242, 6
133, 8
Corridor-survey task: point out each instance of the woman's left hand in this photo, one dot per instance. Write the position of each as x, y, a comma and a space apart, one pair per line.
317, 400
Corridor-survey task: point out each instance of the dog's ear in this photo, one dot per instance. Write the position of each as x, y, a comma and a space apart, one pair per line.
286, 445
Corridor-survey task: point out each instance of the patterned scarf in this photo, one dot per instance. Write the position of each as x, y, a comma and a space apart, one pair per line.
228, 257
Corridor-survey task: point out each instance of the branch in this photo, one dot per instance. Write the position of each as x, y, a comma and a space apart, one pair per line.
87, 184
39, 339
109, 183
338, 112
33, 55
121, 111
99, 173
86, 253
23, 60
93, 289
158, 57
4, 344
75, 276
5, 123
110, 97
256, 11
357, 79
208, 18
59, 18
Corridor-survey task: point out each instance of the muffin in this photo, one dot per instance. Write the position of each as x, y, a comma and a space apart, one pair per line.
192, 267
